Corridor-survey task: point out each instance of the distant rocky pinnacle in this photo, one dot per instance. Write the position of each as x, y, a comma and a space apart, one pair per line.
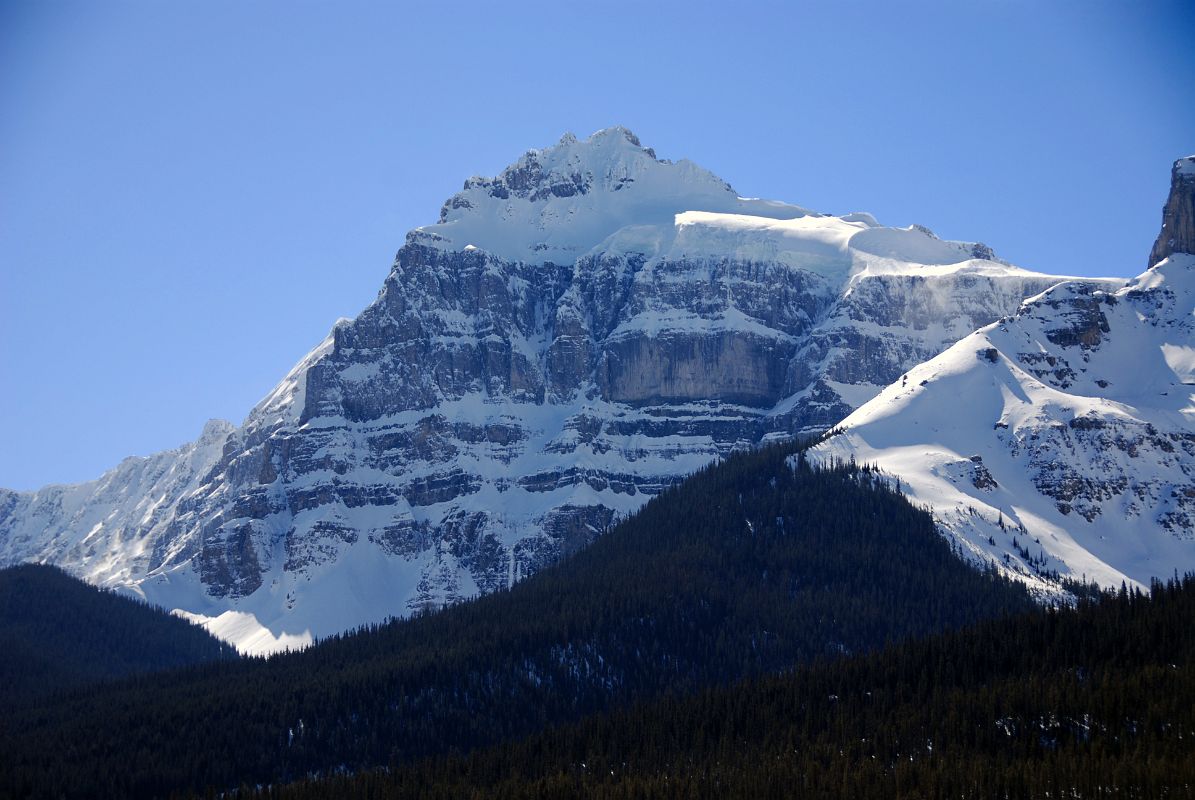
1178, 215
568, 339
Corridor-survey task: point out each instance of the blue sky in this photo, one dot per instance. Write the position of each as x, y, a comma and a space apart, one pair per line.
192, 192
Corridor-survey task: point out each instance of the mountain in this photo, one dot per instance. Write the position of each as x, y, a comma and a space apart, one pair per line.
1060, 440
58, 633
1093, 701
751, 566
573, 336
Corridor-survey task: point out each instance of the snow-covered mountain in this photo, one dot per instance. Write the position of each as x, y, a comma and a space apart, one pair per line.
572, 335
1061, 439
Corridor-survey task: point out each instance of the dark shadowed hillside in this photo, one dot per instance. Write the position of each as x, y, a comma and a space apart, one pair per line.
57, 632
1092, 702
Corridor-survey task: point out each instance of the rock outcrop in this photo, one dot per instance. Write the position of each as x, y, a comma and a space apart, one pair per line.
1178, 215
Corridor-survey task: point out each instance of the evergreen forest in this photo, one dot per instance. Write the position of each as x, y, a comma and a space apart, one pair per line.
58, 633
1096, 701
753, 567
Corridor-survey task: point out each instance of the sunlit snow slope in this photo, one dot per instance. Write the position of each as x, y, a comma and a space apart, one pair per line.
1059, 441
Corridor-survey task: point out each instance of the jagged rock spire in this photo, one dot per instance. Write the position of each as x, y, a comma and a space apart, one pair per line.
1178, 215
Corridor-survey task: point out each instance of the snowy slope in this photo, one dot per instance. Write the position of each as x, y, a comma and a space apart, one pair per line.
571, 337
1059, 440
108, 531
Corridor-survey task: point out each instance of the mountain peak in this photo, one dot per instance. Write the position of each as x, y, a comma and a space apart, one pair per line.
607, 159
613, 132
216, 429
1178, 215
555, 203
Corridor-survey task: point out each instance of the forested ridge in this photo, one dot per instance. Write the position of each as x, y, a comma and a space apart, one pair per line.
59, 633
748, 568
1095, 701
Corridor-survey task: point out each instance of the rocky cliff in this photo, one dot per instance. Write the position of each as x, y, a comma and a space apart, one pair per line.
1178, 215
570, 337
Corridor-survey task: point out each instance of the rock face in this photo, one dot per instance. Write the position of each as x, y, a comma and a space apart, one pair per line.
571, 337
1178, 215
1059, 442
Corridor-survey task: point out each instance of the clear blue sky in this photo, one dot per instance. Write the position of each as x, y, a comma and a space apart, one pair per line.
192, 192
